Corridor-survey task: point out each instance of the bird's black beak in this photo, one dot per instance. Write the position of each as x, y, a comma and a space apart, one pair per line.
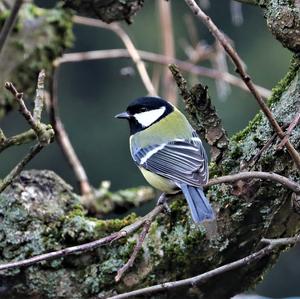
123, 115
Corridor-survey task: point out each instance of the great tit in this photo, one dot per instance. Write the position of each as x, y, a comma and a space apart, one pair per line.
168, 152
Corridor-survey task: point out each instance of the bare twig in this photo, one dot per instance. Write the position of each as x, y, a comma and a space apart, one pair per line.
167, 36
291, 127
196, 280
9, 23
259, 175
116, 28
22, 107
136, 250
84, 247
161, 59
44, 135
18, 168
19, 139
281, 241
40, 96
245, 77
43, 132
65, 143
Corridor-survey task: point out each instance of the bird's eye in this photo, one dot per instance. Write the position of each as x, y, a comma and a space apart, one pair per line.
143, 109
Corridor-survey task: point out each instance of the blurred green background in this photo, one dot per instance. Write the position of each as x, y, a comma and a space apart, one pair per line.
92, 92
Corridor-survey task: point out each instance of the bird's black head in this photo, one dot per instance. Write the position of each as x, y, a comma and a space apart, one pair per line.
144, 112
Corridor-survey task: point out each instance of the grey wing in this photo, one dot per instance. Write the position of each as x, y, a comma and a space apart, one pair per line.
183, 161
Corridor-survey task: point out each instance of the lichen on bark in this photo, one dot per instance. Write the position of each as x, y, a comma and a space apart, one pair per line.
45, 215
40, 213
283, 19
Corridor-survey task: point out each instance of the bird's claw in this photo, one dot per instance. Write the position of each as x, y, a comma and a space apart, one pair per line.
162, 200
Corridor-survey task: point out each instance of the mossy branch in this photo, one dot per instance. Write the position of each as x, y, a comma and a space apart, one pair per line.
42, 132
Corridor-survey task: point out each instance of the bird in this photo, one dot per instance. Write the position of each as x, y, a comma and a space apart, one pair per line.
168, 151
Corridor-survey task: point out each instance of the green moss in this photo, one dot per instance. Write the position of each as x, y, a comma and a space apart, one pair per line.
238, 137
77, 210
277, 91
283, 84
104, 227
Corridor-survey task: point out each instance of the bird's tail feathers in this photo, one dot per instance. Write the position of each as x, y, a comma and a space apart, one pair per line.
198, 203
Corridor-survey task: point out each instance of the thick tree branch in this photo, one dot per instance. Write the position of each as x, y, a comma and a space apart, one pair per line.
196, 280
124, 232
146, 222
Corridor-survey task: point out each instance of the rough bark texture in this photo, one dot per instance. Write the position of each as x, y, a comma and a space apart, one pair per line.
283, 19
39, 213
106, 10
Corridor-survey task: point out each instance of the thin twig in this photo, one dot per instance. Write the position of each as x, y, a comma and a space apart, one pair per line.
258, 175
9, 23
40, 97
245, 77
167, 37
135, 252
196, 280
160, 59
18, 168
22, 107
84, 247
65, 143
43, 134
116, 28
19, 139
291, 127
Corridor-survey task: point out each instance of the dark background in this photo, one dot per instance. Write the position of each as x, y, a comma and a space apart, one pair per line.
92, 92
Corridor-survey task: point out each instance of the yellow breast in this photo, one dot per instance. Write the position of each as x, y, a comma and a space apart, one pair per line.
159, 182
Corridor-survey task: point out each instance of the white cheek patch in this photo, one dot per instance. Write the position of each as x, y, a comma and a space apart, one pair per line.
149, 117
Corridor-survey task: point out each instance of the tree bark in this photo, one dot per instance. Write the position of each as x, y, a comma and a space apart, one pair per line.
39, 213
106, 10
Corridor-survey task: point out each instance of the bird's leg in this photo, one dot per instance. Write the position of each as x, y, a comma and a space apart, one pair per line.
163, 200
